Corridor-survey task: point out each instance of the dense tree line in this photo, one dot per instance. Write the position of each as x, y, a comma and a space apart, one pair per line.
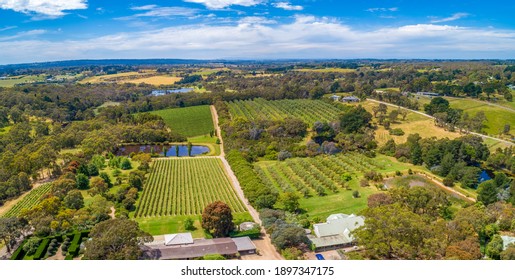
415, 223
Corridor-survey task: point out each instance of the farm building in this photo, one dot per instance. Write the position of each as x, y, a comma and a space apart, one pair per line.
178, 239
335, 232
335, 97
244, 245
180, 247
350, 99
428, 94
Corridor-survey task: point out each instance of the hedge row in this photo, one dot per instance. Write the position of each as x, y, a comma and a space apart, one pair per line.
19, 253
258, 194
253, 233
74, 248
40, 253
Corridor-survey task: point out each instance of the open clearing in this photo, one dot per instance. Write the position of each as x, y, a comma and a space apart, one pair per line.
185, 186
414, 123
12, 81
189, 121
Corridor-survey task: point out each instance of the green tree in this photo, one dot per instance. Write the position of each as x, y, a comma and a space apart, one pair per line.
393, 232
190, 146
288, 235
74, 200
292, 253
106, 179
355, 119
125, 164
11, 229
217, 219
494, 248
290, 201
118, 239
98, 186
487, 192
188, 224
82, 181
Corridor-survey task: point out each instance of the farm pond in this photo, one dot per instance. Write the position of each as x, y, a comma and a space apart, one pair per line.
163, 150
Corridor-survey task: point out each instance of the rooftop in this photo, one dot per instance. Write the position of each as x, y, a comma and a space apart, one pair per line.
199, 248
244, 243
178, 239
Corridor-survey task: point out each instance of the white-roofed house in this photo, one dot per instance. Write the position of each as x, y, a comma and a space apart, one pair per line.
336, 232
178, 239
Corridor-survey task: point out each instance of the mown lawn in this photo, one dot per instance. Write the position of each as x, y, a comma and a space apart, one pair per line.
189, 121
175, 224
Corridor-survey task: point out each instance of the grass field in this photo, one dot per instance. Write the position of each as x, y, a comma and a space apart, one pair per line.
175, 224
189, 121
106, 104
178, 187
414, 123
12, 81
323, 174
309, 111
28, 201
496, 117
147, 76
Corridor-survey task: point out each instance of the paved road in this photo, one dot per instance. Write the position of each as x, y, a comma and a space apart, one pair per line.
429, 116
264, 245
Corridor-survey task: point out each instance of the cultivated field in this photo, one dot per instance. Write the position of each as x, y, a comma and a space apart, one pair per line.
185, 187
15, 80
309, 111
29, 201
189, 121
321, 179
148, 76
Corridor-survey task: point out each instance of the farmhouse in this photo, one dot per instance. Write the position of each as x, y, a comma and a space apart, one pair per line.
428, 94
335, 232
182, 247
350, 99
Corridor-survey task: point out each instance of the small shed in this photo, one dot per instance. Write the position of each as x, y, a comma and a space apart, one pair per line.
350, 99
335, 97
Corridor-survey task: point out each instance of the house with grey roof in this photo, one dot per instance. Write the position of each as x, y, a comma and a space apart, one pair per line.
244, 245
336, 232
350, 99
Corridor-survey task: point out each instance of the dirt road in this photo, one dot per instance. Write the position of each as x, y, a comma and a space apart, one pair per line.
264, 245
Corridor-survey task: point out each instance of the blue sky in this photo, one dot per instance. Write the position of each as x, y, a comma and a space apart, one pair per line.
47, 30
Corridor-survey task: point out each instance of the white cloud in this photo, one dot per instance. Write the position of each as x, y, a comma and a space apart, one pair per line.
259, 38
156, 11
221, 4
24, 34
454, 17
288, 6
373, 10
47, 8
7, 28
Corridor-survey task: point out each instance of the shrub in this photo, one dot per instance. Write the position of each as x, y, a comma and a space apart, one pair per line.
188, 224
30, 247
398, 173
355, 194
396, 132
292, 253
448, 181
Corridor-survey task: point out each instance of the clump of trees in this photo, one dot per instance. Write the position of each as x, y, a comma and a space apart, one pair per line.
118, 239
